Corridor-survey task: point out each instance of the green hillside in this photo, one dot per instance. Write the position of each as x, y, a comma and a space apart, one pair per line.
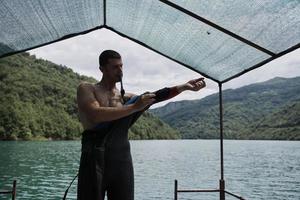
283, 123
38, 100
268, 110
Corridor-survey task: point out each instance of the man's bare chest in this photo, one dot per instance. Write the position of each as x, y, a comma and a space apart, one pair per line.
108, 99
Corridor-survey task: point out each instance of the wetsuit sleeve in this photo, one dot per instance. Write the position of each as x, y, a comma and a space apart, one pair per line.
165, 94
135, 116
160, 95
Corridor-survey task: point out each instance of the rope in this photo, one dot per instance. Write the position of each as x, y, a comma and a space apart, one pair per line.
67, 190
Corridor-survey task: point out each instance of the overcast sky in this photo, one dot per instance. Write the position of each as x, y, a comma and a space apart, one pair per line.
145, 70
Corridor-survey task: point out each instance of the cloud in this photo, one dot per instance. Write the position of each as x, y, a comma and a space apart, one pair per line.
145, 70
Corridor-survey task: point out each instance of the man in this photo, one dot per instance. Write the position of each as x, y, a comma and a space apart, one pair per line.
106, 116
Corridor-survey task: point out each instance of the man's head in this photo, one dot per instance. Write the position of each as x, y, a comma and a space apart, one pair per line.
111, 65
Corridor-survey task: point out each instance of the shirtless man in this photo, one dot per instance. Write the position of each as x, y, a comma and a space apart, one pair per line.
102, 103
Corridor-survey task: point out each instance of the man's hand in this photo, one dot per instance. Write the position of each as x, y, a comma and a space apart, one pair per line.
144, 100
195, 84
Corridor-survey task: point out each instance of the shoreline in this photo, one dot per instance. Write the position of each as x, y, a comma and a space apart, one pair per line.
40, 138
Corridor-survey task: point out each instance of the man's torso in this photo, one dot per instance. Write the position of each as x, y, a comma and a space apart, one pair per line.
105, 99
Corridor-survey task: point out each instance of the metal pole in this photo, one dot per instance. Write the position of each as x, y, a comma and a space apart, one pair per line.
221, 182
104, 12
175, 190
14, 190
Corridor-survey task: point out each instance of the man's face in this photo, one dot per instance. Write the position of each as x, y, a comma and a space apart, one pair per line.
114, 69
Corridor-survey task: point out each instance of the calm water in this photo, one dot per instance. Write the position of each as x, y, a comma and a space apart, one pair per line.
253, 169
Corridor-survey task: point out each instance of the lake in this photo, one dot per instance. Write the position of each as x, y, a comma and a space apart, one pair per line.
255, 170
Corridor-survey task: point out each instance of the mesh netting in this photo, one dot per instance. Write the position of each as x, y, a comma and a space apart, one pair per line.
271, 24
182, 37
30, 23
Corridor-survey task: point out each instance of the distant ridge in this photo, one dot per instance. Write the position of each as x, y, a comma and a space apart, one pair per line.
267, 110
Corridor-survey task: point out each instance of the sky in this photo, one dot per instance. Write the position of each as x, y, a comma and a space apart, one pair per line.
145, 70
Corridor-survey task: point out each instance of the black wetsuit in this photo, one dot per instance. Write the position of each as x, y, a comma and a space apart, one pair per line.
108, 167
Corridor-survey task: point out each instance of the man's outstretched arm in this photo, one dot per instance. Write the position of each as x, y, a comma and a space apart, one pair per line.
170, 92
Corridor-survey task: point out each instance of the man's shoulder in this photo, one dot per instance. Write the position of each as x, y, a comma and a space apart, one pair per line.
86, 86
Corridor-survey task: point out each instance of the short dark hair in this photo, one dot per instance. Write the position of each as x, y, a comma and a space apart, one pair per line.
106, 55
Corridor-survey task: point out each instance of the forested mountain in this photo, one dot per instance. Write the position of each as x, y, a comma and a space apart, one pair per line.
38, 100
268, 110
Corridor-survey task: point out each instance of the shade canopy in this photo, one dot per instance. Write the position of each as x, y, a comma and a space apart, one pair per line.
220, 39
